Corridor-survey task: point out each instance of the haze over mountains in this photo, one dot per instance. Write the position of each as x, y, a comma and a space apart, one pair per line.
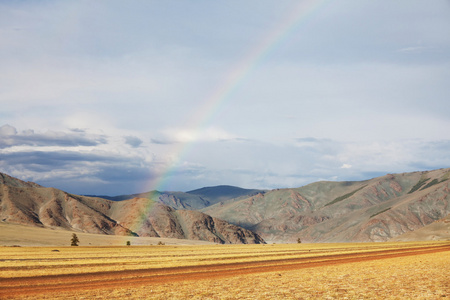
373, 210
196, 199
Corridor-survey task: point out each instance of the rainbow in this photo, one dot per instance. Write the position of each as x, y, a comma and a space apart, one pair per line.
217, 100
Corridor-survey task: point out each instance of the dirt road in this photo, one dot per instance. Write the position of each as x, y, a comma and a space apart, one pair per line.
16, 287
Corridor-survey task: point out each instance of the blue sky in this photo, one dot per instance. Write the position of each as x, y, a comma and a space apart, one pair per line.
114, 97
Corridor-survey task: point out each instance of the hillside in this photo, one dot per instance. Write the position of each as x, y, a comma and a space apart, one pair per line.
30, 204
373, 210
438, 230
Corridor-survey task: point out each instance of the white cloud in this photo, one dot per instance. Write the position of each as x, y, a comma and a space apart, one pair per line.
416, 49
346, 166
178, 135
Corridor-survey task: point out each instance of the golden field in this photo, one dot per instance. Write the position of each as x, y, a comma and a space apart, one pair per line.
418, 270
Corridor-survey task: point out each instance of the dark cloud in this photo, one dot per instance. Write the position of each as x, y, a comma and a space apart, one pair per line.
55, 159
91, 173
161, 142
133, 141
9, 137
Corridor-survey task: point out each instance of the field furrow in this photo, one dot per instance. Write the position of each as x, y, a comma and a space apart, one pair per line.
12, 287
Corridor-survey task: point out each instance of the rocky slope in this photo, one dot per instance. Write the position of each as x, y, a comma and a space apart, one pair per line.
438, 230
373, 210
27, 203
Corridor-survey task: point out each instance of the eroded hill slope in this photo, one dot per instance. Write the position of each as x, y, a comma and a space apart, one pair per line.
373, 210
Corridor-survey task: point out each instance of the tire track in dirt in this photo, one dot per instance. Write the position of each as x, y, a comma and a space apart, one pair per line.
16, 287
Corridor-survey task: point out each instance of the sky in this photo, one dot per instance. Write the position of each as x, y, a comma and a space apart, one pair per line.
119, 97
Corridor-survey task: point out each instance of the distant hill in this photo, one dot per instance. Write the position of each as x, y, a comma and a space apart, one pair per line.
196, 199
30, 204
373, 210
222, 193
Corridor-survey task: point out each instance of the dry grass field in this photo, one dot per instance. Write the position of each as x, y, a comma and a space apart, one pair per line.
284, 271
21, 235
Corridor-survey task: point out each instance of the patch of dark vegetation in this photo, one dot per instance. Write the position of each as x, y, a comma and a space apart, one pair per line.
418, 185
431, 183
380, 212
343, 197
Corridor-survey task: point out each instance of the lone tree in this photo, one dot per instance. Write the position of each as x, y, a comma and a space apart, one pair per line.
128, 243
299, 241
74, 241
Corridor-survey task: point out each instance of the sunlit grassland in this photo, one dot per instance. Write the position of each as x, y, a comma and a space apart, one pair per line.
413, 277
39, 261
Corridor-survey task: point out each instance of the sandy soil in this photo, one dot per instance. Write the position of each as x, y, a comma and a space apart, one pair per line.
18, 287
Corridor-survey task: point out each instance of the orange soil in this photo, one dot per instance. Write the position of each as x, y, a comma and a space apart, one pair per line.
16, 287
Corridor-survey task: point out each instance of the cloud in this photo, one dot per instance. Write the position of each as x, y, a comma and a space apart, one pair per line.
178, 135
92, 172
374, 97
259, 164
118, 167
10, 138
133, 141
77, 160
416, 49
7, 130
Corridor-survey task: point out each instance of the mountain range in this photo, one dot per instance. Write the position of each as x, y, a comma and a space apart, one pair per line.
378, 209
195, 199
28, 203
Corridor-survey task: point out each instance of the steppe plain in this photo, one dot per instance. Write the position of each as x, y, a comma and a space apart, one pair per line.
401, 270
